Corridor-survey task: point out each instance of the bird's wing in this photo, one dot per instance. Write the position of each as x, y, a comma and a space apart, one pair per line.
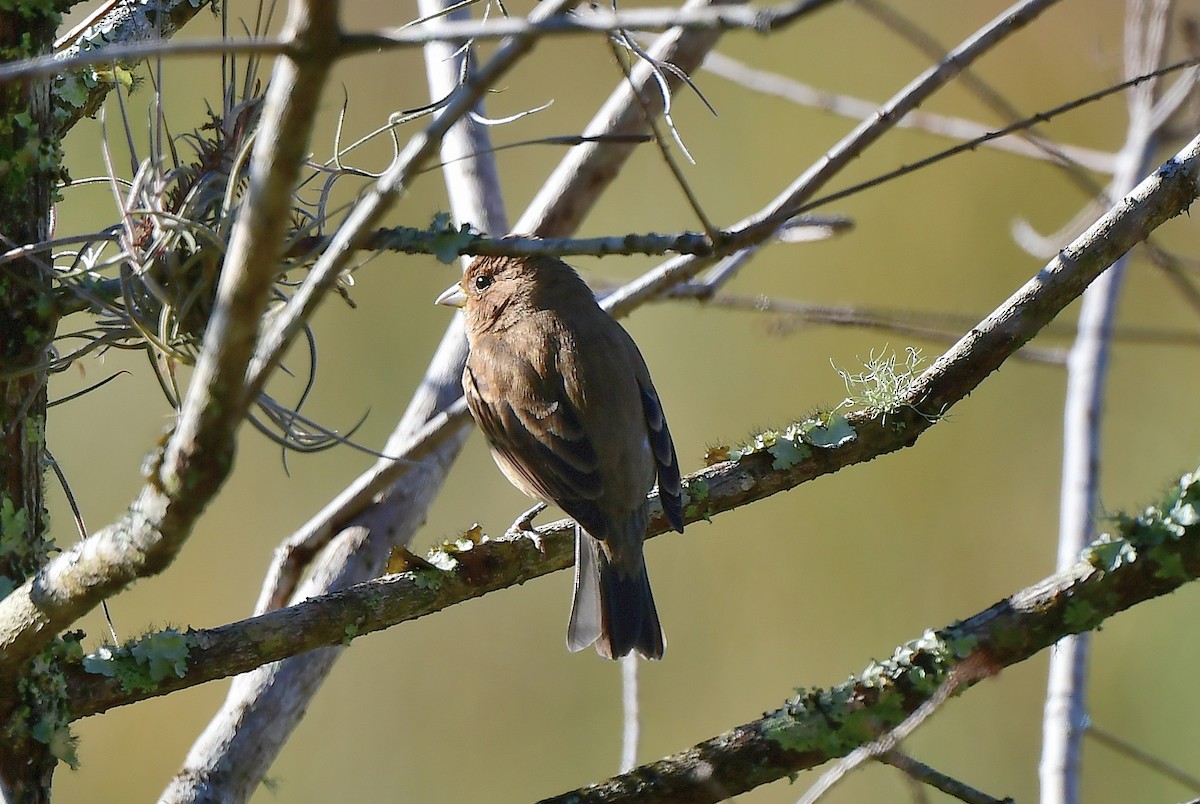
667, 465
534, 430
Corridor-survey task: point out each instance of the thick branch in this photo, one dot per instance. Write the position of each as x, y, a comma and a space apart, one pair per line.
79, 93
1154, 555
1019, 627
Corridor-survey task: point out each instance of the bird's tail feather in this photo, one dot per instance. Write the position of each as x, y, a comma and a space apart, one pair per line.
584, 627
613, 606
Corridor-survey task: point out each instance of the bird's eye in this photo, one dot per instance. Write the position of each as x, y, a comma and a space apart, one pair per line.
483, 281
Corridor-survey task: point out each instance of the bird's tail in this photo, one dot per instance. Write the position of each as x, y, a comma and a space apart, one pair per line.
613, 606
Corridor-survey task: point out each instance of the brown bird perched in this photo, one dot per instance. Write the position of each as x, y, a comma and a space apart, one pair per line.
566, 402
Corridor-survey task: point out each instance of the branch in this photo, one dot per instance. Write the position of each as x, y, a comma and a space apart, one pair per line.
1153, 555
922, 773
781, 463
78, 92
787, 88
1065, 710
446, 243
720, 17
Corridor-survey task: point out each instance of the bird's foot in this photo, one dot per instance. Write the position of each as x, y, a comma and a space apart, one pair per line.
523, 527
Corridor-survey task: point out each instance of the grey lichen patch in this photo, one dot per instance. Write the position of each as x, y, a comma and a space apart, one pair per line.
442, 239
829, 431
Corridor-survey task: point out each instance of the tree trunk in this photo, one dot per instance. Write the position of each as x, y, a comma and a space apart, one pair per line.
32, 718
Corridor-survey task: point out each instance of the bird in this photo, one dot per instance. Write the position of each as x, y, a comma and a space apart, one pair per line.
565, 400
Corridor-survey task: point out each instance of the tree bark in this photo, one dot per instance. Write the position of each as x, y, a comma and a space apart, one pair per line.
29, 164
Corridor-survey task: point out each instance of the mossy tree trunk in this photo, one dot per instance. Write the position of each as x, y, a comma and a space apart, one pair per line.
29, 166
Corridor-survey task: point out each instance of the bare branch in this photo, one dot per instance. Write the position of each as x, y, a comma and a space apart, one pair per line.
789, 89
922, 773
1065, 711
1155, 763
699, 18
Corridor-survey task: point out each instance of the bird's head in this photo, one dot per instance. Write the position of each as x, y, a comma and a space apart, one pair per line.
497, 292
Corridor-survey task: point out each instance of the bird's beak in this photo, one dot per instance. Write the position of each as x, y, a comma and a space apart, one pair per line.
452, 296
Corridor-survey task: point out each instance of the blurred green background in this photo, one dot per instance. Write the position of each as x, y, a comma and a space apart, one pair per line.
483, 702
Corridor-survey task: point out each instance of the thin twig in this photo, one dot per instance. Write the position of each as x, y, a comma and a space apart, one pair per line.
789, 89
699, 18
969, 672
631, 720
1151, 761
934, 778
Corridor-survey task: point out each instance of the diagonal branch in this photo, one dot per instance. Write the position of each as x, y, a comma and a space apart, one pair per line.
1152, 556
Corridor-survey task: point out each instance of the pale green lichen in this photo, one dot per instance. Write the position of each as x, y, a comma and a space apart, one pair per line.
837, 720
881, 387
795, 442
442, 238
142, 665
1151, 534
41, 712
696, 493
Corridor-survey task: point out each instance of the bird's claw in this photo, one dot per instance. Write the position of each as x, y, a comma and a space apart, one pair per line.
523, 527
